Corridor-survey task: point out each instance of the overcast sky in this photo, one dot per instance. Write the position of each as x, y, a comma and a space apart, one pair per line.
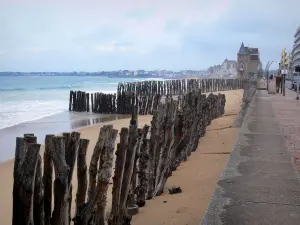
90, 35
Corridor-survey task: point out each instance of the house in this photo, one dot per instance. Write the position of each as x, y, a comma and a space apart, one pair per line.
215, 70
249, 64
229, 68
226, 69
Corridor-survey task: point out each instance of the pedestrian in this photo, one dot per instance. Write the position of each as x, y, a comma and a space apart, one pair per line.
278, 82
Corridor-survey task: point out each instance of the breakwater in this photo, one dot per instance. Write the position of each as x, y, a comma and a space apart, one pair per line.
145, 158
146, 95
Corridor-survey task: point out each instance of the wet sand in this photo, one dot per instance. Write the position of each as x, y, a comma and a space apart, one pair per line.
197, 176
58, 123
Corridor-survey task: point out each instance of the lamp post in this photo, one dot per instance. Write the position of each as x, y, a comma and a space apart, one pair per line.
283, 73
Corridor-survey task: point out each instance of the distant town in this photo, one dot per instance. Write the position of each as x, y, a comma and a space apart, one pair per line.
247, 65
228, 69
114, 74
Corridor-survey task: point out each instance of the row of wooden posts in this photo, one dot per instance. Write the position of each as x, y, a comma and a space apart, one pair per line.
80, 101
145, 158
123, 103
113, 104
146, 95
177, 87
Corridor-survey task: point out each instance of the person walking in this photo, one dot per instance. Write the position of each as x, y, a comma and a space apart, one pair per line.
278, 82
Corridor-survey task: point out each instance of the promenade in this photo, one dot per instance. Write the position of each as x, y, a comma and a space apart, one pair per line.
260, 184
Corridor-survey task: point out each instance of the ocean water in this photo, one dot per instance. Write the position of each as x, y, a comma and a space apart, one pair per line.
28, 98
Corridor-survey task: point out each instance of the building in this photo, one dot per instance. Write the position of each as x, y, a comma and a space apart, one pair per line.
249, 65
214, 71
296, 49
229, 68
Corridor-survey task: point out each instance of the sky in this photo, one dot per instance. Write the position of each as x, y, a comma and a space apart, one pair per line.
90, 35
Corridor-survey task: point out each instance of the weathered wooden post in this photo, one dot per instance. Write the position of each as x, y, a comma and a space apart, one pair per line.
87, 102
141, 190
47, 178
24, 182
92, 212
71, 148
123, 216
38, 196
166, 150
79, 101
70, 101
81, 174
92, 103
104, 174
118, 176
25, 169
60, 213
132, 208
153, 145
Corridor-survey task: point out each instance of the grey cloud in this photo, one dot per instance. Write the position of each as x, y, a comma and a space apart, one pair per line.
107, 33
173, 25
264, 24
140, 14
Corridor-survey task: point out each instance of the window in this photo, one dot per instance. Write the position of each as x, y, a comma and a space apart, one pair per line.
241, 66
254, 57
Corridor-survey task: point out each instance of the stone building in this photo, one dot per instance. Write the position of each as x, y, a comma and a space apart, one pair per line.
214, 71
249, 65
229, 68
226, 69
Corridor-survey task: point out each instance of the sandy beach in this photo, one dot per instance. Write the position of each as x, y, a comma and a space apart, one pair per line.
197, 177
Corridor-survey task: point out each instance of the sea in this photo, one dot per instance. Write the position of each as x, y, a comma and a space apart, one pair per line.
28, 98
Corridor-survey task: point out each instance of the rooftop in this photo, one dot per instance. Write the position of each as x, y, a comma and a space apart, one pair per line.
247, 50
243, 50
229, 61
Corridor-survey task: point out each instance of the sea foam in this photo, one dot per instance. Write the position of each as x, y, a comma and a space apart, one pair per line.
19, 112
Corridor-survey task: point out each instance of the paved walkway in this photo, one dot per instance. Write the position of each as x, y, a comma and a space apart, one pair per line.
260, 185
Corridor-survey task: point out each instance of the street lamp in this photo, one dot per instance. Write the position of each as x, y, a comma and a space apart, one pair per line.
284, 72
